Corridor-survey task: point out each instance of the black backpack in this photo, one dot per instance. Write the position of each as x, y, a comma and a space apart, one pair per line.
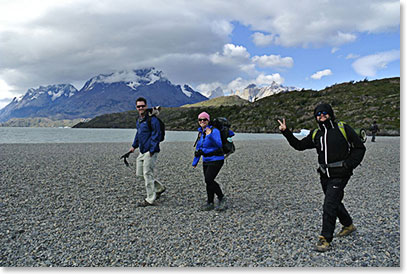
223, 125
162, 125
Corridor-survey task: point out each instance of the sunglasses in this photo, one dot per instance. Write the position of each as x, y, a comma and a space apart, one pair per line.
321, 112
200, 120
141, 106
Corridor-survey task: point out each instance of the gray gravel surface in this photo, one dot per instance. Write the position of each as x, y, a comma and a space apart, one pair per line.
75, 205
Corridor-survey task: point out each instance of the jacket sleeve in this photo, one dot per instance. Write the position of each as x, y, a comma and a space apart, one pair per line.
155, 134
303, 144
198, 146
135, 141
357, 148
196, 160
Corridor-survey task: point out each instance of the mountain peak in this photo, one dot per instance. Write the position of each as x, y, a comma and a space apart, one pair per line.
132, 78
251, 86
54, 91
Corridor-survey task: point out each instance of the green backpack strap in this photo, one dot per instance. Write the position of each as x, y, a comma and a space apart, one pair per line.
342, 129
314, 133
341, 126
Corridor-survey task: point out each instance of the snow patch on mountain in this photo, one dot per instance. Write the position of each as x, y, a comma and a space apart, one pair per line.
186, 91
132, 78
253, 92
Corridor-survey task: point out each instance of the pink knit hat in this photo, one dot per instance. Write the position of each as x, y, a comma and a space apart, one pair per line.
204, 115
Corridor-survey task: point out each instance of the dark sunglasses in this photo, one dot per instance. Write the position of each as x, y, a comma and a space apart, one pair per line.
321, 112
141, 106
203, 120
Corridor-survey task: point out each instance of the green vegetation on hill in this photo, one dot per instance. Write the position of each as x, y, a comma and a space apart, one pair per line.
357, 103
221, 101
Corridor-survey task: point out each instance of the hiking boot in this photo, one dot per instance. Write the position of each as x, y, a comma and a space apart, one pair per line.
144, 203
222, 205
322, 245
158, 194
346, 230
208, 207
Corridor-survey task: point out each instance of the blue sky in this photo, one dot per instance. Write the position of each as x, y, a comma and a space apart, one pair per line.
339, 60
205, 44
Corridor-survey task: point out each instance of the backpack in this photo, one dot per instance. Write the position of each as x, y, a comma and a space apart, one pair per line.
154, 112
223, 125
360, 132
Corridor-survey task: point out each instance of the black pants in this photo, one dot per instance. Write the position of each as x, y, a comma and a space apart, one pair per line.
211, 170
333, 207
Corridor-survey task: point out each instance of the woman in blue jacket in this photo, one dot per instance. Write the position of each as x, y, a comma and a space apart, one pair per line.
209, 146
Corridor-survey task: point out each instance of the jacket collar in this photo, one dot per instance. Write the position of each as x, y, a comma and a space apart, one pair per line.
328, 124
201, 130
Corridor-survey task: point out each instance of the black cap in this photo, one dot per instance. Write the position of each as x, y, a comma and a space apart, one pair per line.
325, 107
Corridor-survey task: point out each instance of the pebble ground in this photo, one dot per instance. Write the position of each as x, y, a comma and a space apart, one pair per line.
75, 205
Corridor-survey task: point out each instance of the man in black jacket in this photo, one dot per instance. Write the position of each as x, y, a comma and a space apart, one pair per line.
340, 150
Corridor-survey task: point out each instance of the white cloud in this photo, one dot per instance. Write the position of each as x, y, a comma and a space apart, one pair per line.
333, 50
238, 84
319, 22
262, 79
206, 89
68, 41
234, 57
343, 38
273, 61
230, 54
6, 93
318, 75
351, 56
260, 39
369, 65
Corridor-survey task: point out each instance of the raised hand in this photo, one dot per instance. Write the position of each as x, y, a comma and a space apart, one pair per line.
282, 126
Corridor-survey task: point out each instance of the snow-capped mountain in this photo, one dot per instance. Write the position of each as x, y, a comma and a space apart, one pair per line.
218, 92
105, 93
132, 79
253, 92
36, 101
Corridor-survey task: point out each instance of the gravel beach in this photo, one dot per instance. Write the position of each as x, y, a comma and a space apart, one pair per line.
75, 205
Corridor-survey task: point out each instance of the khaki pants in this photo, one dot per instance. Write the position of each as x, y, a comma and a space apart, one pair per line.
145, 165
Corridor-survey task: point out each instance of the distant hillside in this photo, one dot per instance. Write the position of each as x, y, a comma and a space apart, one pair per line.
357, 103
40, 122
220, 101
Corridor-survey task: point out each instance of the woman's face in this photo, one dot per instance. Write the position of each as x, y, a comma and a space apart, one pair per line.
203, 122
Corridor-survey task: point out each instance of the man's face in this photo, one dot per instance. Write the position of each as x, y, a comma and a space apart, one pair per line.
322, 116
141, 107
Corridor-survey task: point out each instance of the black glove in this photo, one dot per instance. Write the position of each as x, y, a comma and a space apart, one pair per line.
198, 153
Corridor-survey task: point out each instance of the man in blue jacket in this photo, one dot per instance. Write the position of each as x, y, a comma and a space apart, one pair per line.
147, 139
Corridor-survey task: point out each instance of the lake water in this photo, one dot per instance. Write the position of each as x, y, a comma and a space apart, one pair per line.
30, 135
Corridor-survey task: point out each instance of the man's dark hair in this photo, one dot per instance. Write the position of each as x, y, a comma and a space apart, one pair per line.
141, 99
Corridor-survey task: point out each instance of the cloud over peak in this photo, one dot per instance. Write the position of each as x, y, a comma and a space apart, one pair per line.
369, 65
319, 74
